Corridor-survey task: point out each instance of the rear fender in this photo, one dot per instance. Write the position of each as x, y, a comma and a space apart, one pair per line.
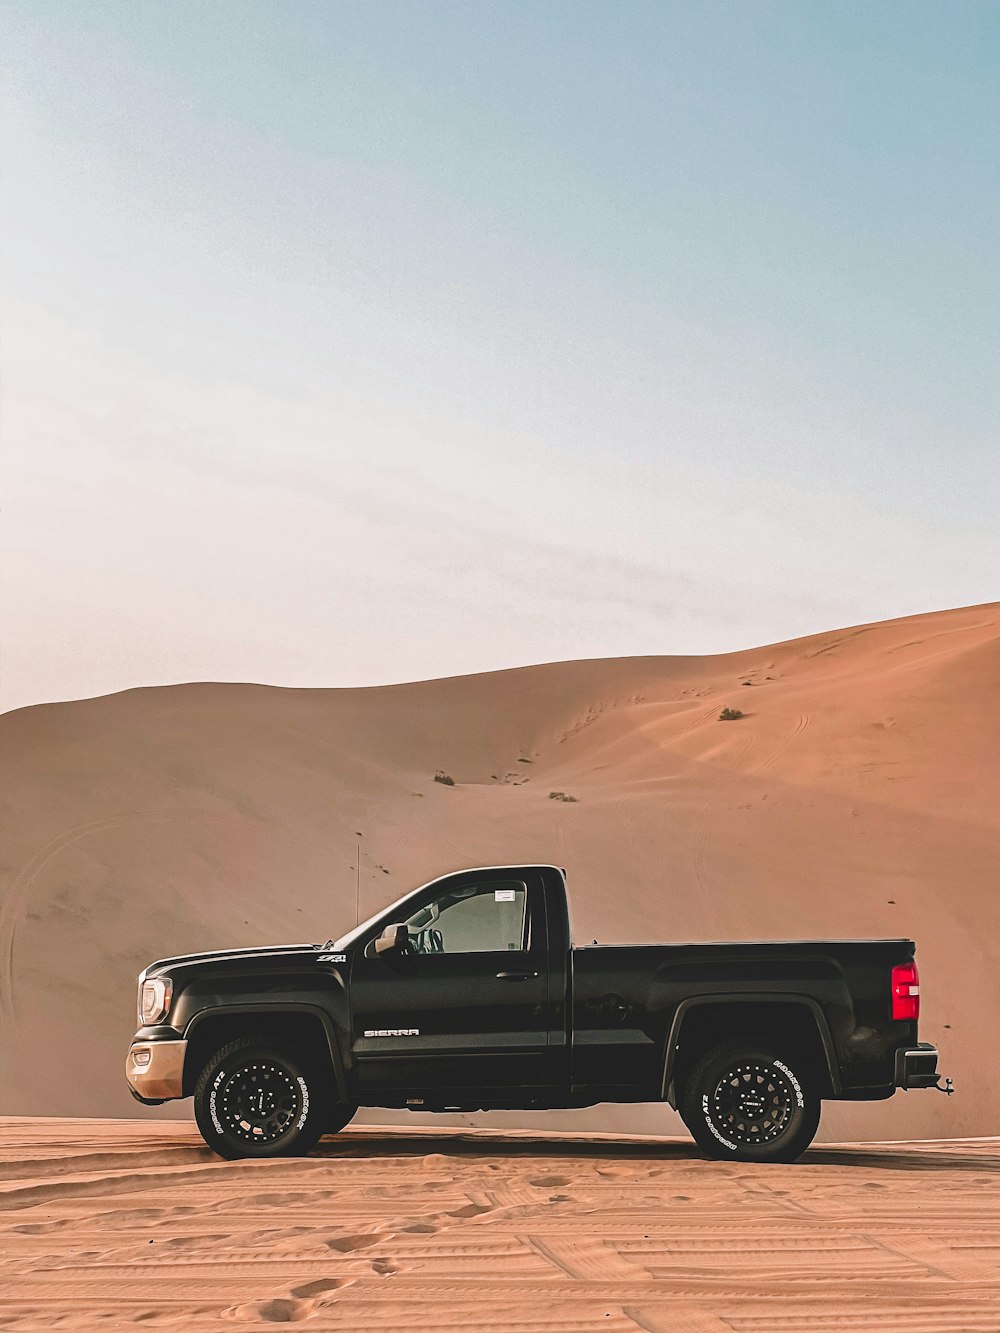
696, 1002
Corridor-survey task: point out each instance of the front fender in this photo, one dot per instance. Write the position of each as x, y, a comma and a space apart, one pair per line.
247, 1008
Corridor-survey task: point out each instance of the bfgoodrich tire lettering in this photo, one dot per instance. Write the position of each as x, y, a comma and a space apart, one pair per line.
257, 1097
749, 1100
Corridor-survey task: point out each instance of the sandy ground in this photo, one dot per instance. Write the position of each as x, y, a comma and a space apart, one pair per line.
858, 796
125, 1224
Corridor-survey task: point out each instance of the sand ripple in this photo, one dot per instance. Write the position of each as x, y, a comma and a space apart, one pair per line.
119, 1224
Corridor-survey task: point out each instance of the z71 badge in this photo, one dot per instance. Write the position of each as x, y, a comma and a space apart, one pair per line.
332, 958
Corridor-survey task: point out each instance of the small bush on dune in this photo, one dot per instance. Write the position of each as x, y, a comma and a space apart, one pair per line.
730, 714
560, 796
444, 779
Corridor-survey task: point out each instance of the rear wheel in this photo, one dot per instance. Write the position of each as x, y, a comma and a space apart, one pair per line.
748, 1100
258, 1097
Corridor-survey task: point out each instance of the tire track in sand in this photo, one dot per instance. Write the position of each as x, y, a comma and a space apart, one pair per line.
532, 1233
783, 746
15, 902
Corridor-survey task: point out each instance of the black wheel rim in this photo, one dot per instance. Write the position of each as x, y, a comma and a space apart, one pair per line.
753, 1103
259, 1102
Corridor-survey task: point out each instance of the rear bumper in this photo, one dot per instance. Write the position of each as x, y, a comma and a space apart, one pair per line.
916, 1066
155, 1070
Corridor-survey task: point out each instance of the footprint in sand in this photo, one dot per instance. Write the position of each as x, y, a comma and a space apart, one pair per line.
469, 1210
281, 1200
348, 1244
384, 1267
320, 1287
548, 1182
272, 1235
419, 1229
193, 1242
277, 1310
433, 1159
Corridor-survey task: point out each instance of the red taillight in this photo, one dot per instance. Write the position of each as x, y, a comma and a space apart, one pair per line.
905, 991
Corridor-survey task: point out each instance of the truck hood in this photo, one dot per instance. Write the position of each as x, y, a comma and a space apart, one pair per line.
277, 951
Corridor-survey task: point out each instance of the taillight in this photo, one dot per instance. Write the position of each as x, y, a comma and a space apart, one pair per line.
905, 991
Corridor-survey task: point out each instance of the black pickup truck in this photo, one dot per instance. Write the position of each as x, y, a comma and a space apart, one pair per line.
468, 994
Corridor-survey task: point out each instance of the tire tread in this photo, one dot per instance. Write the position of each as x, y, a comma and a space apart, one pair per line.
789, 1147
299, 1144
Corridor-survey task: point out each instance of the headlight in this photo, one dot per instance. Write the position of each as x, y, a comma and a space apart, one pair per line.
154, 999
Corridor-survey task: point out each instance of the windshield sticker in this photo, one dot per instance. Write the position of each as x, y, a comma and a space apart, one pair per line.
503, 895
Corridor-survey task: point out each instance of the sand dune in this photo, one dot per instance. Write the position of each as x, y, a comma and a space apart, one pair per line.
137, 1225
858, 796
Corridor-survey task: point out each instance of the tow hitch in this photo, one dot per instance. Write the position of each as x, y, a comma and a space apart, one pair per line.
916, 1067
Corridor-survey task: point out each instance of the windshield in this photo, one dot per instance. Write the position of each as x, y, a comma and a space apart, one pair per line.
387, 913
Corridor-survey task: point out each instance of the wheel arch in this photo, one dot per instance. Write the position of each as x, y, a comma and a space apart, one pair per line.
701, 1020
307, 1026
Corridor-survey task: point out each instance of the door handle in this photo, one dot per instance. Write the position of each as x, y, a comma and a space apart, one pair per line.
515, 976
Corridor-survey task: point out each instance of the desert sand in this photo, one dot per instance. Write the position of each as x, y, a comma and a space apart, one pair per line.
125, 1224
859, 795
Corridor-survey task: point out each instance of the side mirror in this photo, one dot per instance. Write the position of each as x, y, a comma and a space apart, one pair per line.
394, 939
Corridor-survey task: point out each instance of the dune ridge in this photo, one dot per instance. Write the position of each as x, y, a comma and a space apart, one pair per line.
858, 795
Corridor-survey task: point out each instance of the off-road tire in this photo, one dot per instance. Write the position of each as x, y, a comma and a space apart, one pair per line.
260, 1097
751, 1100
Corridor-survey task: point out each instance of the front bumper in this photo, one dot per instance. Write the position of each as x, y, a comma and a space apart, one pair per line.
916, 1067
155, 1070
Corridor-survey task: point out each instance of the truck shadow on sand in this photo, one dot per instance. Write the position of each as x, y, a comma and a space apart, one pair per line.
892, 1158
494, 1144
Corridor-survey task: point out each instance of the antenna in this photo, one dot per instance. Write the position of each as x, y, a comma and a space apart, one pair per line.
357, 899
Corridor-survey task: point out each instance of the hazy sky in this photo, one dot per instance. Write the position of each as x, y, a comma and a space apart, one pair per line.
352, 343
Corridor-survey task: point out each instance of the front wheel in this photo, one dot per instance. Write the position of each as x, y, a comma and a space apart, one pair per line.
749, 1100
257, 1097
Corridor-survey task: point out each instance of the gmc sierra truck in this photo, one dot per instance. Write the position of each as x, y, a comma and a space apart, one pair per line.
468, 994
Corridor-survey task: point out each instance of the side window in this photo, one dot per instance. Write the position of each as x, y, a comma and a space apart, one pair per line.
478, 918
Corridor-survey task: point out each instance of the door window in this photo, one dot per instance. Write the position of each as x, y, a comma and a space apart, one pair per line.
476, 918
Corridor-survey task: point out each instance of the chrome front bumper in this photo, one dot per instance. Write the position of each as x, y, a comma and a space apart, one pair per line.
155, 1070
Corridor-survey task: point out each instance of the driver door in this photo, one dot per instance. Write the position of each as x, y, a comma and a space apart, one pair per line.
466, 1008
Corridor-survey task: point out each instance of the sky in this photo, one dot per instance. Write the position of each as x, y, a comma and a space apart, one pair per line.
351, 343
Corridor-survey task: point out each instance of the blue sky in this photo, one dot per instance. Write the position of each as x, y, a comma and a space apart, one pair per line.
348, 343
